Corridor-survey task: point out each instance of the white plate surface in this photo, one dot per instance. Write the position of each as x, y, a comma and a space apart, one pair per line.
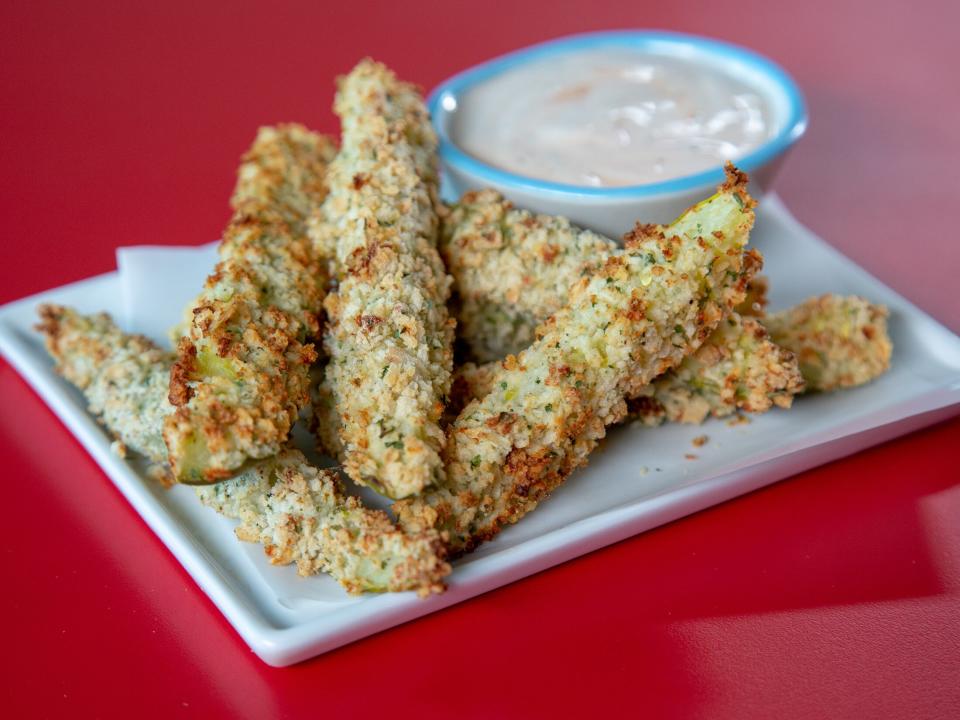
639, 480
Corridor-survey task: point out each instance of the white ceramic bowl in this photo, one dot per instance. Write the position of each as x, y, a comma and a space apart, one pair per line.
614, 210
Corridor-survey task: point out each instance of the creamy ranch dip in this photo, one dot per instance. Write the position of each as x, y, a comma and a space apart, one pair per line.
611, 117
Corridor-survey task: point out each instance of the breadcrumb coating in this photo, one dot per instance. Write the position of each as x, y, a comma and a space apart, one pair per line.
242, 370
300, 514
839, 341
325, 420
284, 173
630, 320
123, 377
511, 269
390, 337
737, 368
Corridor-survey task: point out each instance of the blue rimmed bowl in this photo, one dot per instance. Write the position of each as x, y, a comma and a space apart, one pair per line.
614, 210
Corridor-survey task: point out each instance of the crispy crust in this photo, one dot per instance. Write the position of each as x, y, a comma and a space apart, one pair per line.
512, 270
840, 341
242, 369
389, 337
123, 377
737, 368
632, 319
299, 513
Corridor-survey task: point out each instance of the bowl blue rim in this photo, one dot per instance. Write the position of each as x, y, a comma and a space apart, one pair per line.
792, 130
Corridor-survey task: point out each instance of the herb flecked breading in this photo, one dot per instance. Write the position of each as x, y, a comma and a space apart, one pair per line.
242, 369
123, 377
633, 318
839, 341
737, 368
299, 513
513, 269
389, 338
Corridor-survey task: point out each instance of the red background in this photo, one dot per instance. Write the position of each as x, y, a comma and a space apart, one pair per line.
834, 594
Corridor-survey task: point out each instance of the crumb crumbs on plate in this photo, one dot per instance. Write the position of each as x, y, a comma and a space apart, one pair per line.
644, 470
700, 440
738, 419
691, 456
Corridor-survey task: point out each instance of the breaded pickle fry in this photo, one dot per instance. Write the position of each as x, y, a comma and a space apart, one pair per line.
390, 338
839, 341
299, 513
123, 377
512, 269
242, 370
737, 368
627, 322
284, 173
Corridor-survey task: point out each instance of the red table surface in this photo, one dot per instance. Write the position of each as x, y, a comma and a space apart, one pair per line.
833, 594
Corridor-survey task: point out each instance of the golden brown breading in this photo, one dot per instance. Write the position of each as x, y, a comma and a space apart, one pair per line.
242, 369
511, 269
737, 368
284, 173
632, 319
839, 341
124, 377
389, 338
299, 513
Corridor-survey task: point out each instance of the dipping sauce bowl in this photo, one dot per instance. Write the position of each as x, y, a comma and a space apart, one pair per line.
464, 105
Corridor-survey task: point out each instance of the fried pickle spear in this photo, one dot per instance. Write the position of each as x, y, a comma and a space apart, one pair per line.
242, 370
300, 514
123, 377
297, 512
513, 270
840, 341
736, 369
389, 338
628, 321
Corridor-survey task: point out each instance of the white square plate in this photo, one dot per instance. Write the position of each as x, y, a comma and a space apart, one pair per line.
640, 478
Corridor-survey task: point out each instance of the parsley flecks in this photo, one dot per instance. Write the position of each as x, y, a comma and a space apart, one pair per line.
548, 407
475, 462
